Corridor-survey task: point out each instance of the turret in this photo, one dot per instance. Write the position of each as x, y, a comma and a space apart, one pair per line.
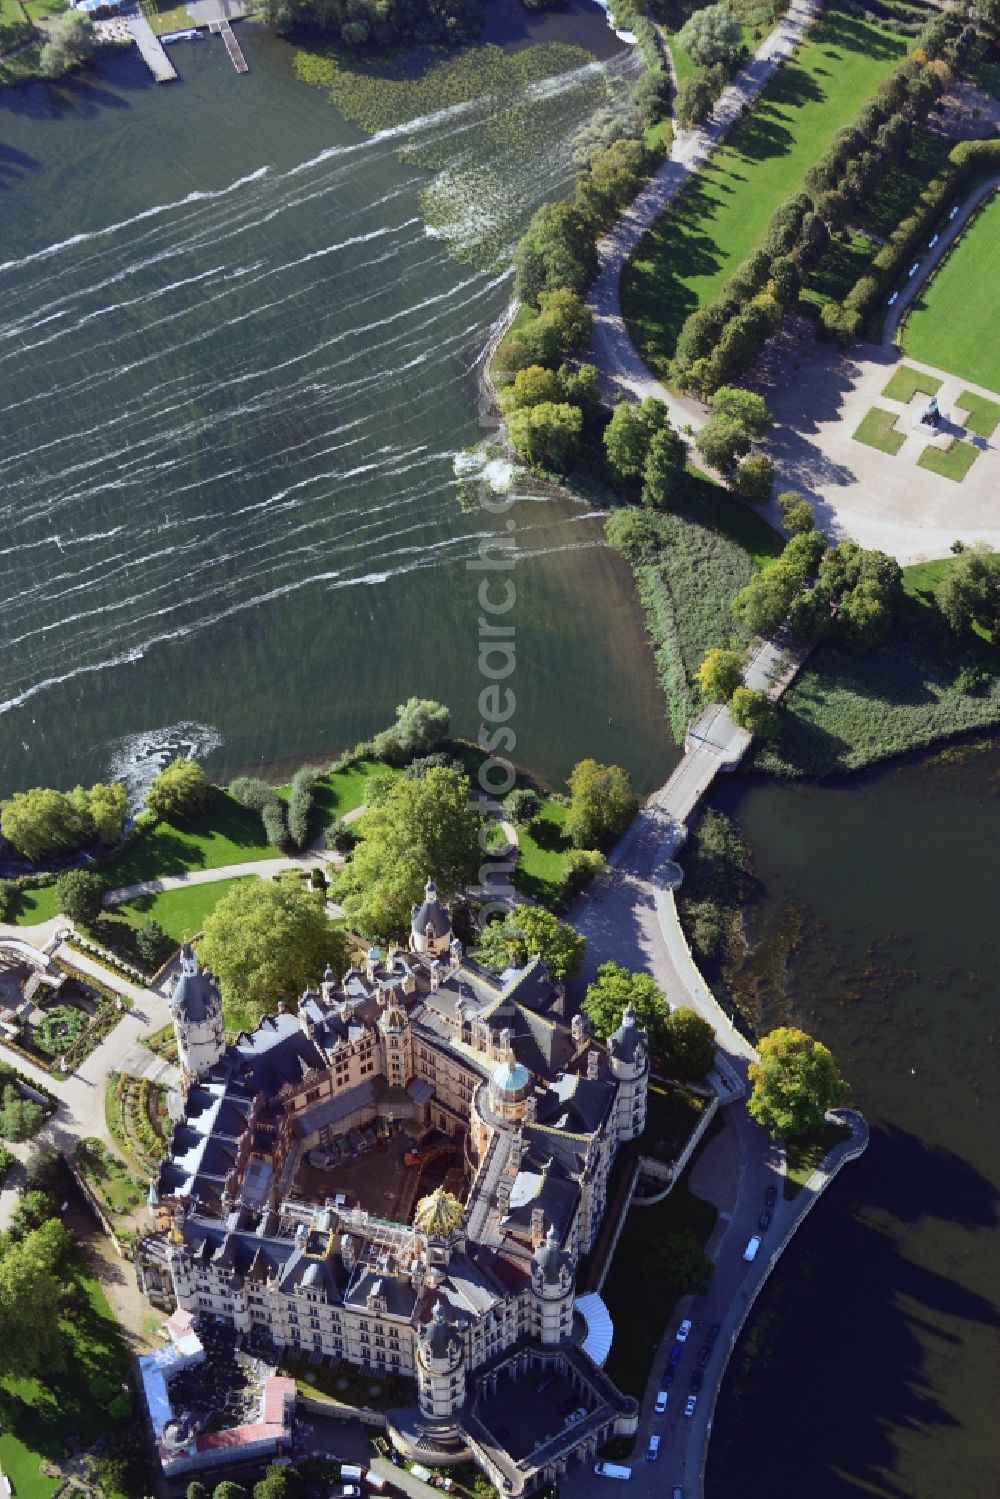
628, 1054
196, 1008
430, 924
440, 1365
552, 1289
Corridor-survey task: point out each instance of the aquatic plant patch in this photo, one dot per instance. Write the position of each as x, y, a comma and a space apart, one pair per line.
496, 127
877, 429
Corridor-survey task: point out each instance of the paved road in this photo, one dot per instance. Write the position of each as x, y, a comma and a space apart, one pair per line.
614, 353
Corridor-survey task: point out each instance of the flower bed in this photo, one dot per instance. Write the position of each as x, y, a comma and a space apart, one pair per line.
117, 1188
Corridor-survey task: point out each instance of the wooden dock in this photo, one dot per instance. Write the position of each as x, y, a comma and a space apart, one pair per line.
232, 45
151, 48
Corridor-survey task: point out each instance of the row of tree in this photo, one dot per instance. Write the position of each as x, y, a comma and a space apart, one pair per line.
713, 38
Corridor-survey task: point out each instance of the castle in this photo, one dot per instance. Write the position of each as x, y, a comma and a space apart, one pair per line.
284, 1204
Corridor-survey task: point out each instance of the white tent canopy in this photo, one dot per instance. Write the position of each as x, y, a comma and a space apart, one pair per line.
600, 1328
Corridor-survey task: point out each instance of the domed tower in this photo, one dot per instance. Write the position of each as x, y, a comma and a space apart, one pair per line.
196, 1007
552, 1290
628, 1054
394, 1026
440, 1365
430, 924
510, 1086
438, 1227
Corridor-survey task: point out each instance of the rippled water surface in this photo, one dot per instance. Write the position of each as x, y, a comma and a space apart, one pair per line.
235, 370
872, 1364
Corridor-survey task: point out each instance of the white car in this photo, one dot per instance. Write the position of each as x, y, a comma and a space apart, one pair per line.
579, 1414
653, 1450
612, 1470
661, 1402
690, 1404
750, 1252
684, 1330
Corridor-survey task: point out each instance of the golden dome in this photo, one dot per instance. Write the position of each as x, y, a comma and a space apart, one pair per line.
438, 1215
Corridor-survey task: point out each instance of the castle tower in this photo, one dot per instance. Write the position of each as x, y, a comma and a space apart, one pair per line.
628, 1054
196, 1007
509, 1088
394, 1025
430, 924
440, 1365
552, 1289
438, 1227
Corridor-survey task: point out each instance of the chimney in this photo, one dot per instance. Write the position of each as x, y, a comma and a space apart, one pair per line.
593, 1061
537, 1226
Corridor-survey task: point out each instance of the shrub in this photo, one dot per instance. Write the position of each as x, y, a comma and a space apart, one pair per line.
796, 512
339, 836
80, 894
721, 442
300, 805
180, 790
153, 944
754, 478
754, 712
521, 806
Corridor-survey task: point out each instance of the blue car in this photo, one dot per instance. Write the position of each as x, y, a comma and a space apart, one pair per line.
675, 1355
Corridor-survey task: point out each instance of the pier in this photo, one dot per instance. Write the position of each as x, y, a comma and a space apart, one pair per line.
232, 45
151, 48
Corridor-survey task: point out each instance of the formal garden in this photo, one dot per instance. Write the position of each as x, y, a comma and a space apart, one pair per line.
138, 1120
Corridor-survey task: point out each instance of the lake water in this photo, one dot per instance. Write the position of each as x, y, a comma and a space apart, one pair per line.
872, 1364
235, 371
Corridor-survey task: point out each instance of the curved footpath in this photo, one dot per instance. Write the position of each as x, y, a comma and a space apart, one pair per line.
616, 357
946, 240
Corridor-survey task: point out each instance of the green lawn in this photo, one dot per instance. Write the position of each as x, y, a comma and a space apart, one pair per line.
165, 19
950, 323
724, 214
877, 430
33, 906
226, 834
950, 463
805, 1154
42, 1415
181, 913
345, 790
907, 381
541, 862
983, 415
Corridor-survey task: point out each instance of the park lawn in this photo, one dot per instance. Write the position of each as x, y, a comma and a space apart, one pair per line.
724, 214
950, 463
542, 849
877, 430
43, 1415
906, 382
948, 324
225, 834
38, 8
165, 19
803, 1155
181, 913
982, 415
33, 906
344, 790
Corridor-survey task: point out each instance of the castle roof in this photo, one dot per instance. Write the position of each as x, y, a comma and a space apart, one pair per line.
626, 1039
196, 997
431, 914
438, 1215
511, 1079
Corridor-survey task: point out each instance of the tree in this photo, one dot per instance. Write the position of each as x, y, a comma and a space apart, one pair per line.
300, 804
742, 406
20, 1118
796, 512
521, 806
229, 1490
33, 1209
794, 1083
42, 1173
987, 14
421, 723
689, 1044
680, 1260
71, 42
547, 435
695, 97
107, 805
663, 473
31, 1286
754, 712
633, 533
557, 250
527, 930
196, 1490
612, 990
969, 595
532, 385
180, 790
754, 478
721, 442
581, 387
267, 941
80, 894
153, 944
719, 674
41, 821
425, 827
711, 35
629, 433
602, 804
278, 1483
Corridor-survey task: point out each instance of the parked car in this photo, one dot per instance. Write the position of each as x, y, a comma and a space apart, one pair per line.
704, 1356
578, 1415
661, 1402
697, 1380
683, 1331
678, 1492
713, 1332
690, 1404
675, 1355
668, 1376
653, 1450
750, 1252
612, 1470
771, 1196
764, 1221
